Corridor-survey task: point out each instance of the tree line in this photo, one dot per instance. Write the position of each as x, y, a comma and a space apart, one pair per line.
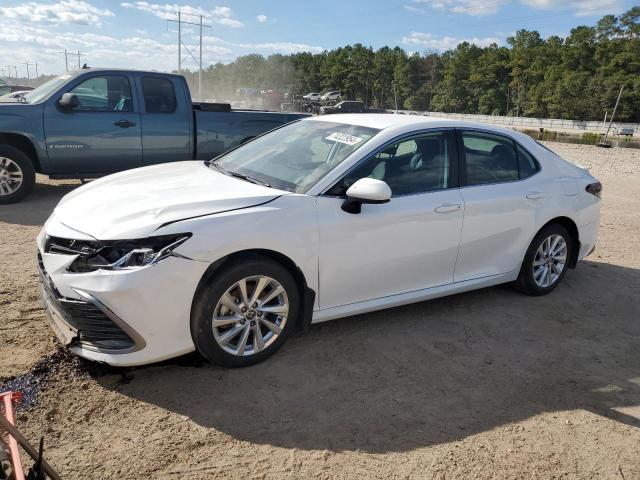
576, 77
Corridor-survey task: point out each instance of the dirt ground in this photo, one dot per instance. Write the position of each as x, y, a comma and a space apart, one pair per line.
488, 384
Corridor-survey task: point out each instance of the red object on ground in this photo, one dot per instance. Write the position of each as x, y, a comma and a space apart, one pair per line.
8, 400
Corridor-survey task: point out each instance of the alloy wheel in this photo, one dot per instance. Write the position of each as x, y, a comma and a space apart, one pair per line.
550, 260
10, 176
250, 315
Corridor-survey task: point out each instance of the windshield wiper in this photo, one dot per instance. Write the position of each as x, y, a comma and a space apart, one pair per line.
248, 178
238, 175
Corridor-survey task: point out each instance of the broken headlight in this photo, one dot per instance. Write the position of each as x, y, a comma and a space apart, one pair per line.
119, 254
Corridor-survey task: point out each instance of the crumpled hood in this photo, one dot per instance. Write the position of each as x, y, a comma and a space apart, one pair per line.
134, 203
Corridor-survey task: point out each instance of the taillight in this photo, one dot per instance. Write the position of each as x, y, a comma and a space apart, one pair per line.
594, 189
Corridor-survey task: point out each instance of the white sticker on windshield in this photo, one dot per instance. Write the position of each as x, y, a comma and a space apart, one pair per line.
343, 138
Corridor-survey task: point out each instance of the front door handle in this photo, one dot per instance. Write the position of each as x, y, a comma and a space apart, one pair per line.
535, 195
124, 124
448, 208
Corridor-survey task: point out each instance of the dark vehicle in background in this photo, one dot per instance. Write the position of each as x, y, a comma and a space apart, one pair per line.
349, 106
94, 122
346, 106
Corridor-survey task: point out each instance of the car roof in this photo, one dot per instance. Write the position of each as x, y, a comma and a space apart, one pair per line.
383, 121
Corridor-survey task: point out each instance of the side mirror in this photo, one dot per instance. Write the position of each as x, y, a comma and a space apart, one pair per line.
69, 101
366, 190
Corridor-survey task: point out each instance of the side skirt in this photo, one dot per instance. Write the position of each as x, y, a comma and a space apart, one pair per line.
411, 297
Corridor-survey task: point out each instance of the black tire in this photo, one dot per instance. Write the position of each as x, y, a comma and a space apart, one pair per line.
207, 299
28, 174
526, 282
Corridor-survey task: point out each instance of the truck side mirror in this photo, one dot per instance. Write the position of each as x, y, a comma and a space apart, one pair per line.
69, 101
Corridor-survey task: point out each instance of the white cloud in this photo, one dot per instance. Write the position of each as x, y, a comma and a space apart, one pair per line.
479, 8
431, 42
167, 11
269, 47
44, 44
581, 8
64, 11
262, 18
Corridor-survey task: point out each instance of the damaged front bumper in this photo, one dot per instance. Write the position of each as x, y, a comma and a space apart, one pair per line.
86, 321
123, 318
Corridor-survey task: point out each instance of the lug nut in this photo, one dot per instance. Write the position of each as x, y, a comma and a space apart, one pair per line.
243, 309
254, 305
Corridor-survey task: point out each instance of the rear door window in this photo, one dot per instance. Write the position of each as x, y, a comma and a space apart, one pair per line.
489, 158
527, 165
159, 95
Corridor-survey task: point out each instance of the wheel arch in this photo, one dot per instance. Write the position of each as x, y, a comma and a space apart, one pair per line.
572, 228
24, 144
307, 294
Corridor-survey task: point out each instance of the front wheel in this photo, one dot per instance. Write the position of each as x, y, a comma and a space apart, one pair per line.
546, 261
245, 313
17, 175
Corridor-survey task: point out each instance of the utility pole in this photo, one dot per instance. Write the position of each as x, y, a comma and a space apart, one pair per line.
66, 58
613, 114
201, 25
200, 69
29, 64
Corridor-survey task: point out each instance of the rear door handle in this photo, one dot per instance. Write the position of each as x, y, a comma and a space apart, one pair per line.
124, 124
448, 208
535, 195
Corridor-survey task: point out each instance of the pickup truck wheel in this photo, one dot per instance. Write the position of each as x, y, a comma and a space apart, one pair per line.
17, 175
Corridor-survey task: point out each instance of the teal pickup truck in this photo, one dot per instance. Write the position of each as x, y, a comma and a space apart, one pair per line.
94, 122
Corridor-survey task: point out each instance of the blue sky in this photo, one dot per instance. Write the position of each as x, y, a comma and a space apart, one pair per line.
136, 34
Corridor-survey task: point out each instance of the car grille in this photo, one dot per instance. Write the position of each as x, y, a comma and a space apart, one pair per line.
94, 327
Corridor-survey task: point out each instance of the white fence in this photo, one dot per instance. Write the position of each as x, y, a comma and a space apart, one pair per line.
536, 123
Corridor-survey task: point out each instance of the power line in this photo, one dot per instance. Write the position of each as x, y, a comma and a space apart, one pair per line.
68, 53
181, 22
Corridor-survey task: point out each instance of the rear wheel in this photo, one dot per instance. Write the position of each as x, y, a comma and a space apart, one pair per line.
17, 175
546, 261
246, 313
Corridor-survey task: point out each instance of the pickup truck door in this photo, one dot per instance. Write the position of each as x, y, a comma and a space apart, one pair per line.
101, 134
167, 118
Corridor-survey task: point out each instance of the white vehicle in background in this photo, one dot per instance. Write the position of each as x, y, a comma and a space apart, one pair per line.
313, 96
13, 96
624, 131
332, 95
319, 219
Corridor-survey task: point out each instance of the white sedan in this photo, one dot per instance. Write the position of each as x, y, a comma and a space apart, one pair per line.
319, 219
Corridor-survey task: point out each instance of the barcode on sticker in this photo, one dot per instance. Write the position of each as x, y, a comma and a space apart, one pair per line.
344, 138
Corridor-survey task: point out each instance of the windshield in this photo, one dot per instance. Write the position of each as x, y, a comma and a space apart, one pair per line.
296, 156
46, 89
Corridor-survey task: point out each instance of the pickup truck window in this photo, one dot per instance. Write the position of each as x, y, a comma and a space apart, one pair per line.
103, 94
159, 95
